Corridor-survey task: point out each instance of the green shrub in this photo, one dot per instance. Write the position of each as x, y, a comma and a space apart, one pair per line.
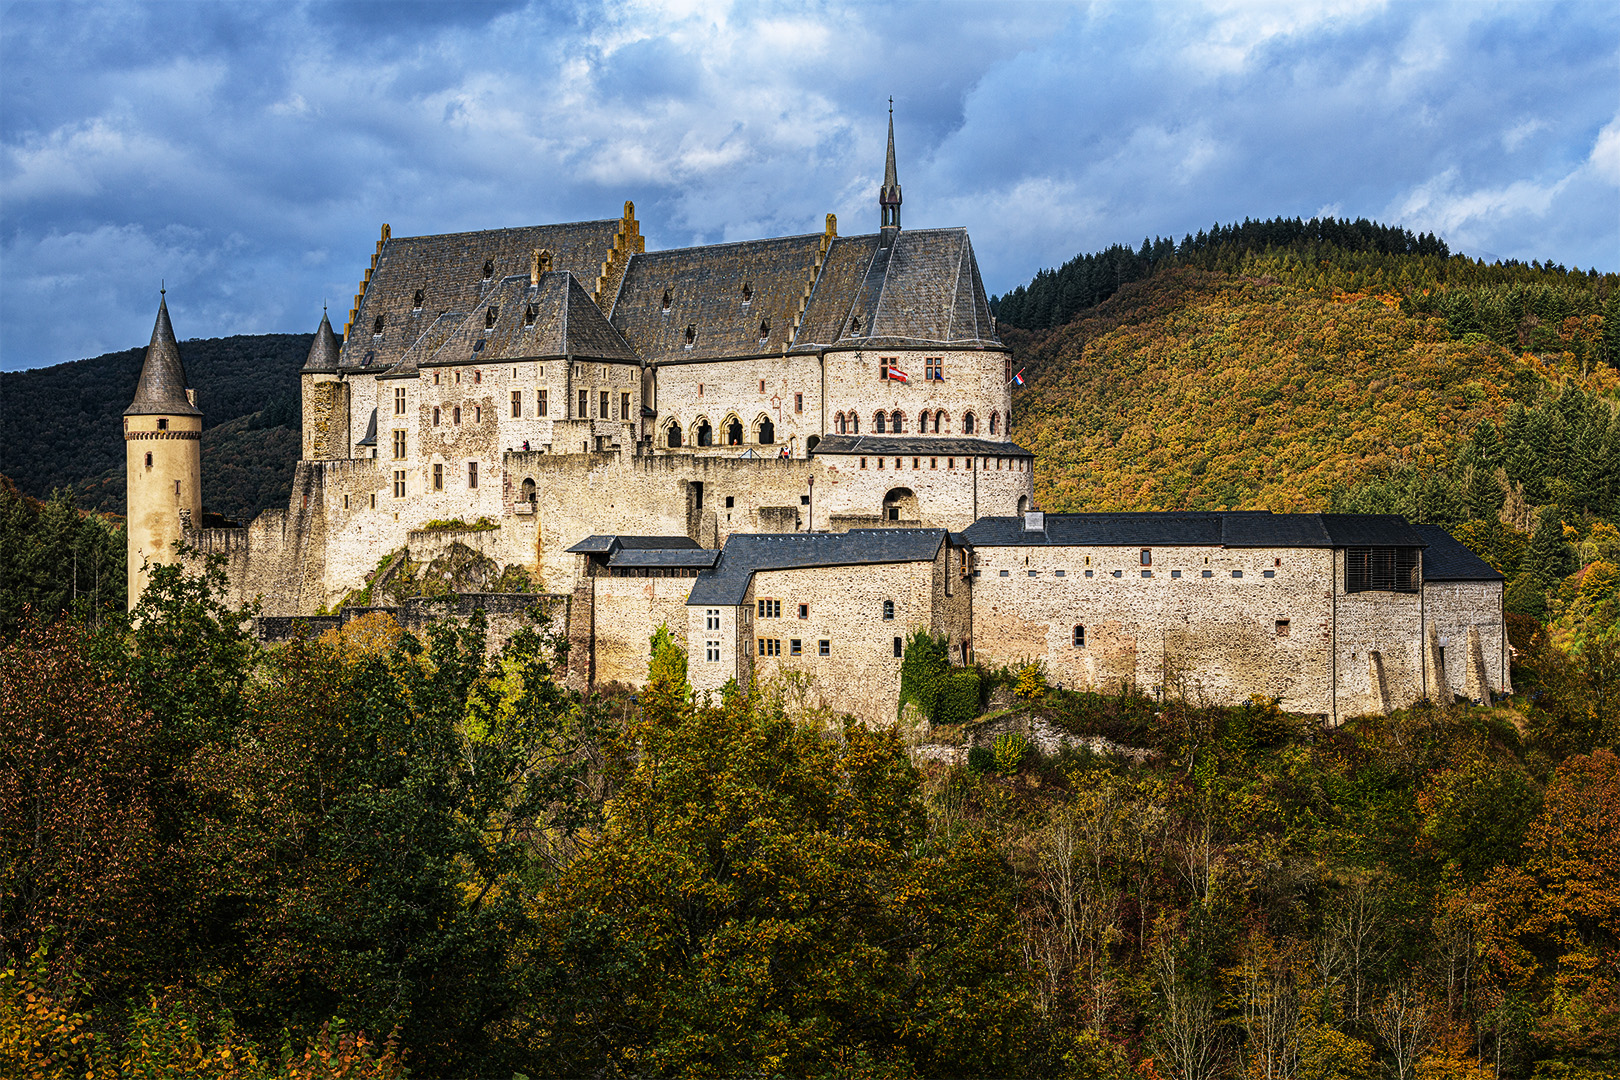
981, 759
956, 697
1011, 749
925, 662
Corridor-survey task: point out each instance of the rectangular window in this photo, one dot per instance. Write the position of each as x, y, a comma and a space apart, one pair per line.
798, 403
1079, 637
899, 647
543, 403
762, 386
472, 474
455, 415
1147, 573
1237, 573
795, 647
1175, 573
399, 483
435, 416
624, 406
1032, 573
584, 405
863, 463
1060, 573
1268, 573
888, 610
438, 477
435, 378
1209, 573
374, 500
711, 651
770, 609
711, 619
824, 647
399, 445
1147, 556
478, 414
933, 463
804, 611
399, 401
770, 646
517, 404
345, 502
1381, 569
478, 376
1006, 573
1282, 627
603, 403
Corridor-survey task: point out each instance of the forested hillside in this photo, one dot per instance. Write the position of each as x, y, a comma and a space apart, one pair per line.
63, 426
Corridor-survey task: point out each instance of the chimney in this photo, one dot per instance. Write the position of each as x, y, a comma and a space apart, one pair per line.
539, 263
1034, 521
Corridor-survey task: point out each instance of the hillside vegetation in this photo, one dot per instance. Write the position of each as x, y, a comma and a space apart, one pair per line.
63, 424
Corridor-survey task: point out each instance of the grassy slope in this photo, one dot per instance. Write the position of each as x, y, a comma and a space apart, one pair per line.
1195, 390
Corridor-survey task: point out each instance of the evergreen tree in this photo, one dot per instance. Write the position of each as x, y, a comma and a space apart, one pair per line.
1549, 556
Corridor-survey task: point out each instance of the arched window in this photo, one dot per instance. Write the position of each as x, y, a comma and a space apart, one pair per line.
528, 491
674, 435
811, 443
967, 424
705, 433
897, 422
995, 419
490, 315
734, 432
854, 424
880, 422
416, 301
767, 431
838, 424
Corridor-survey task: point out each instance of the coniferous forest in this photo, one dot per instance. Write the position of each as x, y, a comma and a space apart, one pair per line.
377, 853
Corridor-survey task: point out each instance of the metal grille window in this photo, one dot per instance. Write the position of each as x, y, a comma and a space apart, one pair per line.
888, 609
1079, 637
1381, 569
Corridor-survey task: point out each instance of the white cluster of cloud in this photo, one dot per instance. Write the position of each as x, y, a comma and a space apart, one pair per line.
248, 153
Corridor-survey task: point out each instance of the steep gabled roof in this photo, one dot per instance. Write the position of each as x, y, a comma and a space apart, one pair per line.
922, 291
745, 554
565, 323
449, 272
162, 385
724, 292
1447, 560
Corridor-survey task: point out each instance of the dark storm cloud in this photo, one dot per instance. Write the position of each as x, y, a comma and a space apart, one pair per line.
249, 152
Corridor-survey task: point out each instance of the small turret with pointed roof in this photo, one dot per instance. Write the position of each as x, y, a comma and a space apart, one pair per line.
889, 193
162, 386
323, 351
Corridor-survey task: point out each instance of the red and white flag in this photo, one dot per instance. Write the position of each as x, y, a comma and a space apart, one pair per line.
896, 373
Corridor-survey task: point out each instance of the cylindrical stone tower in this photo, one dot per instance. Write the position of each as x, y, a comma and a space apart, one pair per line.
162, 457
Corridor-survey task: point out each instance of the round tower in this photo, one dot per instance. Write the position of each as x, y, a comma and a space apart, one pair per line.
162, 457
325, 398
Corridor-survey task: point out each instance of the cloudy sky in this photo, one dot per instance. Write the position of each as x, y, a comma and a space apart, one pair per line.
248, 153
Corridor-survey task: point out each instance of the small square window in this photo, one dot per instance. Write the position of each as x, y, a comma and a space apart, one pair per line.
1006, 573
1147, 573
804, 611
1060, 573
804, 500
1269, 573
1119, 573
1033, 573
1209, 573
1175, 573
795, 647
1282, 627
1091, 573
824, 647
731, 500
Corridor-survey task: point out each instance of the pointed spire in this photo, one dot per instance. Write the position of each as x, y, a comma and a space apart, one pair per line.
889, 193
162, 386
323, 351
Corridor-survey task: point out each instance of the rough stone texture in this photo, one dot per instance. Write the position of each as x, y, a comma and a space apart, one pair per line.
505, 613
627, 612
1458, 609
163, 499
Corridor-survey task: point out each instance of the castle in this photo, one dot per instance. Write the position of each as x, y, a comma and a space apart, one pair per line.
791, 452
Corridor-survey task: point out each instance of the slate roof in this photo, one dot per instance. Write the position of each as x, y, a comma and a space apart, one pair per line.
1447, 560
747, 553
881, 445
1233, 529
922, 291
566, 323
449, 270
706, 292
370, 438
162, 385
323, 351
607, 544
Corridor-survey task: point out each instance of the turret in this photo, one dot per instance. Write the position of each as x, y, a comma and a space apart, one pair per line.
889, 193
162, 457
325, 398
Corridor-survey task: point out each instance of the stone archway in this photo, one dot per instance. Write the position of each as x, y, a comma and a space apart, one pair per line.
900, 504
764, 431
703, 434
734, 431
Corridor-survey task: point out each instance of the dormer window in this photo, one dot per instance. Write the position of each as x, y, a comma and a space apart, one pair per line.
489, 269
855, 326
376, 327
764, 330
748, 293
691, 334
490, 315
530, 315
668, 299
416, 301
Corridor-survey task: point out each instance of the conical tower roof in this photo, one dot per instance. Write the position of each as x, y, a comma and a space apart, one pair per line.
323, 351
162, 388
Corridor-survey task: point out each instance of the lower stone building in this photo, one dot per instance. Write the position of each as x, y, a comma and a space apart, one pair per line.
1336, 615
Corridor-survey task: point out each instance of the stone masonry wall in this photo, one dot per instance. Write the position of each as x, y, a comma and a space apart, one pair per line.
628, 611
